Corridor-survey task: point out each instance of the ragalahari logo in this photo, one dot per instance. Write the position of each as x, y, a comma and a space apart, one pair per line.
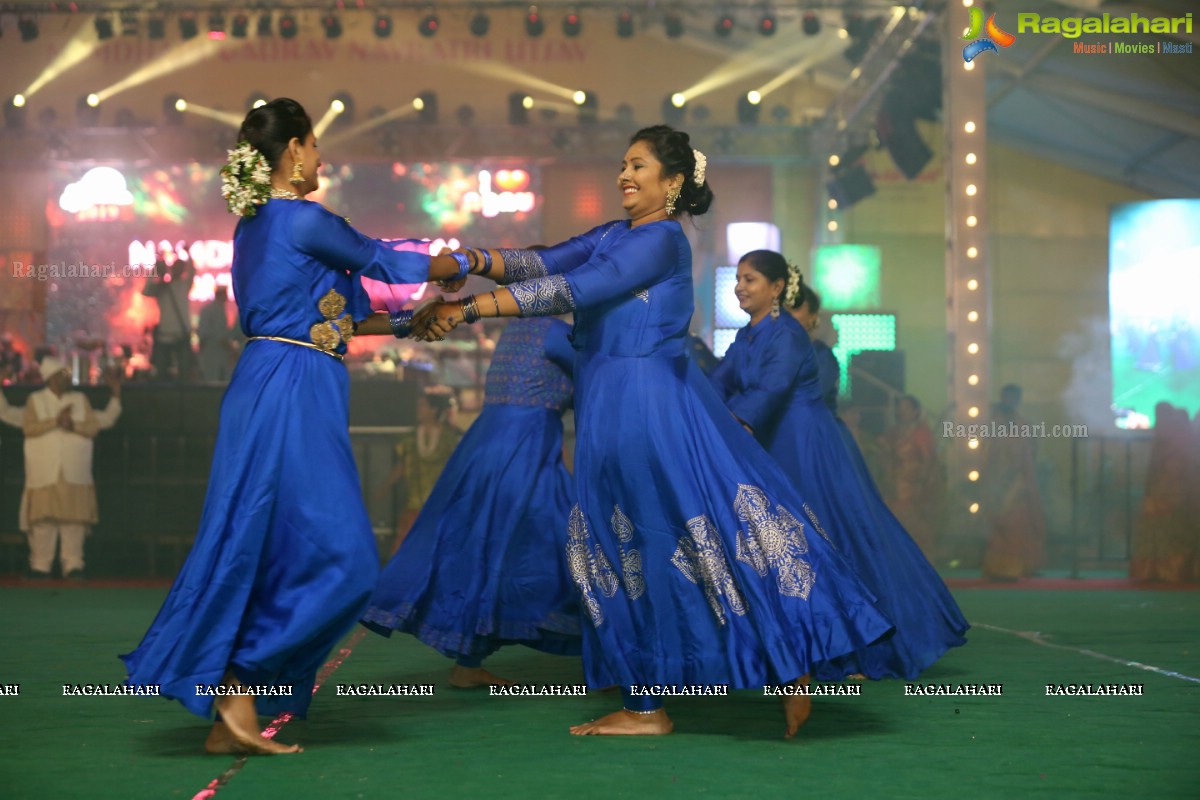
994, 37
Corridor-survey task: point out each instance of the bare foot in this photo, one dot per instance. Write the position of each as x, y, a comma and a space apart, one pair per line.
858, 676
472, 677
627, 723
220, 740
796, 707
238, 731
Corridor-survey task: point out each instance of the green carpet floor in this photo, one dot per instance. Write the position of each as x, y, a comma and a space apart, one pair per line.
468, 745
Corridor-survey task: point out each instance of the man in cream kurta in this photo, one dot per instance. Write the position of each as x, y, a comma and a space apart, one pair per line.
59, 503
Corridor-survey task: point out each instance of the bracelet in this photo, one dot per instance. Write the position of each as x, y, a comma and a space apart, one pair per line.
401, 323
464, 265
496, 302
644, 713
487, 264
470, 310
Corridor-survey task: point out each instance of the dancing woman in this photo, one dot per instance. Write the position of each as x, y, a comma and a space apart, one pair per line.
483, 565
806, 308
694, 556
285, 558
770, 380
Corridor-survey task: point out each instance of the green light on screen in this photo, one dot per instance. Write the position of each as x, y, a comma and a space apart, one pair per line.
846, 276
858, 332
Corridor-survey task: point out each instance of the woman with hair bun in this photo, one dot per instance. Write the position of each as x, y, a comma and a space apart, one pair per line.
685, 544
285, 558
771, 382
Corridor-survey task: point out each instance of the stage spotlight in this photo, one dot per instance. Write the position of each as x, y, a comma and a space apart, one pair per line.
104, 28
724, 25
173, 108
383, 26
428, 26
673, 23
342, 104
29, 28
625, 23
766, 25
748, 108
332, 24
14, 112
264, 24
156, 28
287, 27
860, 32
426, 104
216, 26
572, 25
811, 23
519, 104
188, 29
850, 184
673, 108
129, 22
624, 114
86, 111
534, 24
465, 114
781, 114
480, 24
255, 100
588, 107
240, 26
125, 119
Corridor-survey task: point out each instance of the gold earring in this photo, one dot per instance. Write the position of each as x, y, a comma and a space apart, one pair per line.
672, 199
297, 172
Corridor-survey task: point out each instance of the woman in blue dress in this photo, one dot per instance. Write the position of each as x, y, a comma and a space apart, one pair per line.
770, 380
806, 309
284, 559
483, 564
694, 556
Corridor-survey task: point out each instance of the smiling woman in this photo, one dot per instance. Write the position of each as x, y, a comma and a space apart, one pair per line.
285, 557
668, 485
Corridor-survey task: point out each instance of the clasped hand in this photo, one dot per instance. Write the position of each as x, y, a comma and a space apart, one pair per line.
434, 321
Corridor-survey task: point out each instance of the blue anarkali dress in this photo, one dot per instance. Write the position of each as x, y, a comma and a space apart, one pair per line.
483, 565
770, 380
697, 562
285, 558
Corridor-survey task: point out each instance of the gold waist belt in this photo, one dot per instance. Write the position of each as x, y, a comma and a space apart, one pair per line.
309, 345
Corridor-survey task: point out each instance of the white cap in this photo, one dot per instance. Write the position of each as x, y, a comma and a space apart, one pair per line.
51, 366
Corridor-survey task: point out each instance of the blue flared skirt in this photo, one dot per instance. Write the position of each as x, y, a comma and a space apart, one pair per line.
285, 558
483, 564
696, 559
818, 452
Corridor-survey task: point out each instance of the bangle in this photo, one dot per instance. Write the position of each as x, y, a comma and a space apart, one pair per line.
487, 263
464, 265
496, 302
401, 323
470, 310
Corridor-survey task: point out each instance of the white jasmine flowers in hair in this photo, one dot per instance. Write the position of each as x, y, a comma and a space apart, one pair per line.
245, 180
701, 165
793, 285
